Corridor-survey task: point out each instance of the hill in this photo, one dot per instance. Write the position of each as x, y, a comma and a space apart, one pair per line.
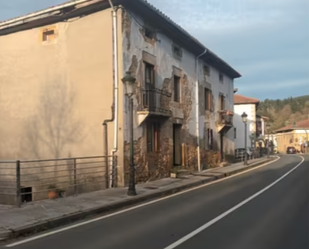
284, 111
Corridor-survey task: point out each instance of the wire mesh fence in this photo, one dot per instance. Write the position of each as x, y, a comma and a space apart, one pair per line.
32, 180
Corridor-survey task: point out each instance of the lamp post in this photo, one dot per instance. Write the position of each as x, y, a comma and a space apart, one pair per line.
244, 117
129, 86
267, 130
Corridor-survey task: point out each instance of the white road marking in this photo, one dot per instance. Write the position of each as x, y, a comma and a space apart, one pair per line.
132, 208
213, 221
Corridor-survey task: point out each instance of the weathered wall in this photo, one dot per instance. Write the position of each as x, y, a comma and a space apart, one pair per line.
209, 119
151, 166
250, 109
55, 95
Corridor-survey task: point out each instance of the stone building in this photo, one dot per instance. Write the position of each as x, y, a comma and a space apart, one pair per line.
60, 76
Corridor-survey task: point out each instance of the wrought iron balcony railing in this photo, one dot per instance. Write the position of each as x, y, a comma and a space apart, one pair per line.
155, 101
225, 117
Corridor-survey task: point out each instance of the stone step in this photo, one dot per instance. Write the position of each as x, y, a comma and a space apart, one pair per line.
180, 173
183, 172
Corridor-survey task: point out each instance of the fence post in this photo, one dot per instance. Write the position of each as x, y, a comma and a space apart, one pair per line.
115, 173
75, 176
107, 173
18, 197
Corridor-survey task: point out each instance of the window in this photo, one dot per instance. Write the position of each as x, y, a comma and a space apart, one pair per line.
177, 51
153, 137
206, 70
48, 35
222, 102
149, 83
26, 194
177, 88
149, 74
208, 99
235, 133
149, 33
221, 77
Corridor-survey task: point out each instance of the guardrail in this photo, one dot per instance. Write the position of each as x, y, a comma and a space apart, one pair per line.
32, 180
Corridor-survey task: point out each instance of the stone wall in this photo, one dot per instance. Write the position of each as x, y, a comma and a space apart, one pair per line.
151, 166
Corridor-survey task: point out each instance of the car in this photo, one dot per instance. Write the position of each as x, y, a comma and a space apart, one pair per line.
291, 150
240, 153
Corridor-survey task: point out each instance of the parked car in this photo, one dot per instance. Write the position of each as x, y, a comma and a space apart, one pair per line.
291, 150
240, 153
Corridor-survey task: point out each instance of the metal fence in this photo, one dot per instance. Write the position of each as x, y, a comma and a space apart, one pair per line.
32, 180
240, 154
155, 100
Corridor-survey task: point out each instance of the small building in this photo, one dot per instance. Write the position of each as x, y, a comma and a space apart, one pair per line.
261, 128
61, 71
249, 106
295, 135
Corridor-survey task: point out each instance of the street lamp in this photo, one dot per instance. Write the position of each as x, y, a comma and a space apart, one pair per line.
244, 117
129, 85
267, 130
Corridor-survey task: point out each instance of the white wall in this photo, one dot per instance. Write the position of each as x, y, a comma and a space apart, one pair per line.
250, 110
302, 131
263, 126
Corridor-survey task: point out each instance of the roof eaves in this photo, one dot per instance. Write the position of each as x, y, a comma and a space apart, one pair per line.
246, 103
21, 19
235, 74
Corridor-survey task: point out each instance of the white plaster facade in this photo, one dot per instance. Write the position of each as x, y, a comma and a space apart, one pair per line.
250, 110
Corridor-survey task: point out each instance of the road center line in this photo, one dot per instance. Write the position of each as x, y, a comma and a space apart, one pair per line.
213, 221
132, 208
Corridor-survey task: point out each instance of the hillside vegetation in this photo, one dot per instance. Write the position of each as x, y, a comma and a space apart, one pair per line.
283, 112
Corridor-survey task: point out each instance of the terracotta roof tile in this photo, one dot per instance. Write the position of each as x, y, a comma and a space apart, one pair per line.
240, 99
299, 125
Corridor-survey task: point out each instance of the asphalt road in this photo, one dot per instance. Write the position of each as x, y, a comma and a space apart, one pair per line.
276, 219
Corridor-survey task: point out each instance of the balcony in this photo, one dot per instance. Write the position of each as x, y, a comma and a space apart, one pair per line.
154, 103
225, 120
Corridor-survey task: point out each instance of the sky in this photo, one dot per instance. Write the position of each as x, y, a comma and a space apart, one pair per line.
267, 41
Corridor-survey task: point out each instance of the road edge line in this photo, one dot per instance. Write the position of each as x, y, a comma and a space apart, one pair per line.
234, 208
120, 206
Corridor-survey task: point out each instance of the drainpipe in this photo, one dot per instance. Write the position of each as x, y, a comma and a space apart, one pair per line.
197, 111
114, 118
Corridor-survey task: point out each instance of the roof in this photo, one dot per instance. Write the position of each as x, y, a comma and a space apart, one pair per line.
69, 8
262, 117
304, 124
240, 99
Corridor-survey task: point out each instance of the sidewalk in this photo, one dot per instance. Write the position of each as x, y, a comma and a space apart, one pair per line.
38, 216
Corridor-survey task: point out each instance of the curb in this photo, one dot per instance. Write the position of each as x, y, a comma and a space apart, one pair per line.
117, 206
249, 166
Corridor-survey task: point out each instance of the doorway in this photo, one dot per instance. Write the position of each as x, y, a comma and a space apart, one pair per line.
177, 150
